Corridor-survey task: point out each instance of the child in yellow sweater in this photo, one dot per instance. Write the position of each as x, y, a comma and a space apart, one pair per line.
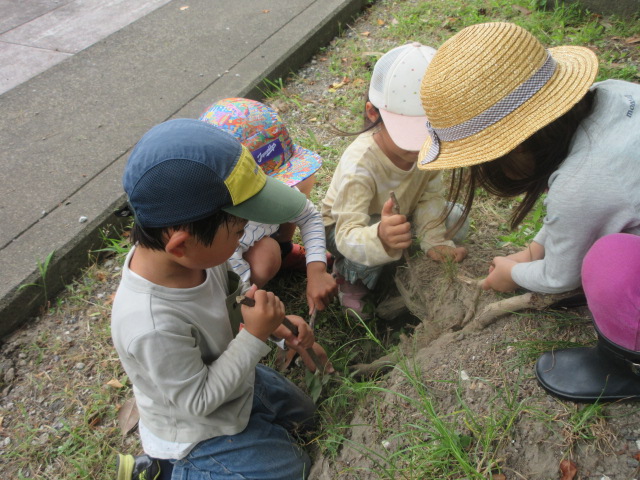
362, 230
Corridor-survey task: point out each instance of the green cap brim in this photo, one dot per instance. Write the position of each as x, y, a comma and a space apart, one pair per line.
276, 203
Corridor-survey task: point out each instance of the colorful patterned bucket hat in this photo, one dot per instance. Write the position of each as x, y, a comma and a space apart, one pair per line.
260, 129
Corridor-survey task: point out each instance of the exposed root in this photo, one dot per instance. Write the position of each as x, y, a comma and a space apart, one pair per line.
526, 301
368, 370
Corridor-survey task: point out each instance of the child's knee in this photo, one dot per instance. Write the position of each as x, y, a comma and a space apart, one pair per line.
306, 185
265, 259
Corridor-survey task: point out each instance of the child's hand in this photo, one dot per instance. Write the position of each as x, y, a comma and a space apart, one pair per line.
394, 231
499, 277
441, 253
267, 314
321, 354
305, 338
321, 286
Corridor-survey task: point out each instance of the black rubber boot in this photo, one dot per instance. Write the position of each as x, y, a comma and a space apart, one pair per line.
604, 373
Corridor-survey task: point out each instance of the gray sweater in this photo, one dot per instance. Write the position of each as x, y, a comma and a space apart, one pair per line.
595, 192
191, 378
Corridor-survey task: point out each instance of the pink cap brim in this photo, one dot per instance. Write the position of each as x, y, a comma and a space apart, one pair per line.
408, 133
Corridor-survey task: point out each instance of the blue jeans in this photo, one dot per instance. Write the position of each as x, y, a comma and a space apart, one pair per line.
265, 450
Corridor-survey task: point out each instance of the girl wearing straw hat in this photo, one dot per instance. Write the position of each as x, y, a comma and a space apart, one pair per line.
363, 231
526, 120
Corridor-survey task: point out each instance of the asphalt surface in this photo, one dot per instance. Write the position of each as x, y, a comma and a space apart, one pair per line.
81, 81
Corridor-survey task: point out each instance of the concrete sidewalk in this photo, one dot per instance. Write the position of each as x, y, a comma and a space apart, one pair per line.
66, 132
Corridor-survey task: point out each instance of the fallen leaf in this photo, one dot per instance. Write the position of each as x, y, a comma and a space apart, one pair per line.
632, 40
266, 11
95, 420
128, 417
110, 299
522, 10
498, 476
335, 85
380, 22
636, 456
395, 21
280, 106
365, 34
449, 21
115, 383
568, 469
184, 7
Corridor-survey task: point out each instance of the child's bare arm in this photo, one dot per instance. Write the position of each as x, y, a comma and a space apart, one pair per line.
321, 286
534, 251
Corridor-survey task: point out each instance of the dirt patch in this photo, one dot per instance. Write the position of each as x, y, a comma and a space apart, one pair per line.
484, 374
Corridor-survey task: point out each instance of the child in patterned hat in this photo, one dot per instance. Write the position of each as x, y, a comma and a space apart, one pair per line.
265, 249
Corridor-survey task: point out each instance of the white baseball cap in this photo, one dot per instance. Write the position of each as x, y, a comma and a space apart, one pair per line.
395, 91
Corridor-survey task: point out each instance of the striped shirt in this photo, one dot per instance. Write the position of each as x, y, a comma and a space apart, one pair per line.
311, 231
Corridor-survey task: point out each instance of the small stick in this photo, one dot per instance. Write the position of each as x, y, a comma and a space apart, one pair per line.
250, 302
312, 318
396, 210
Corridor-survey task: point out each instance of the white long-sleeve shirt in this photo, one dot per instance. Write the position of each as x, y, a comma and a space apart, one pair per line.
192, 379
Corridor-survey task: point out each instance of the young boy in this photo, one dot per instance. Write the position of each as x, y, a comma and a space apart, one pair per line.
207, 408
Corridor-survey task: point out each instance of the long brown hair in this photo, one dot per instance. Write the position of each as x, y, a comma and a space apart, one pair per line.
547, 149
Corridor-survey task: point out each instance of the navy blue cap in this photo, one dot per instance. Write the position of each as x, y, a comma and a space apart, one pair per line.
185, 170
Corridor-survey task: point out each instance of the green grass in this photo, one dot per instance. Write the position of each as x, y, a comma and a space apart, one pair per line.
43, 270
434, 443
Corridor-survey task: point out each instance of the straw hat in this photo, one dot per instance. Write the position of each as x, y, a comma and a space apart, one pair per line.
492, 86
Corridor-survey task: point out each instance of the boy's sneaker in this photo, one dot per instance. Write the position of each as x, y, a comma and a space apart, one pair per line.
142, 467
351, 296
296, 259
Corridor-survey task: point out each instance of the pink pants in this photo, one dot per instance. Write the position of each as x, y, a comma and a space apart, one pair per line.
611, 282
